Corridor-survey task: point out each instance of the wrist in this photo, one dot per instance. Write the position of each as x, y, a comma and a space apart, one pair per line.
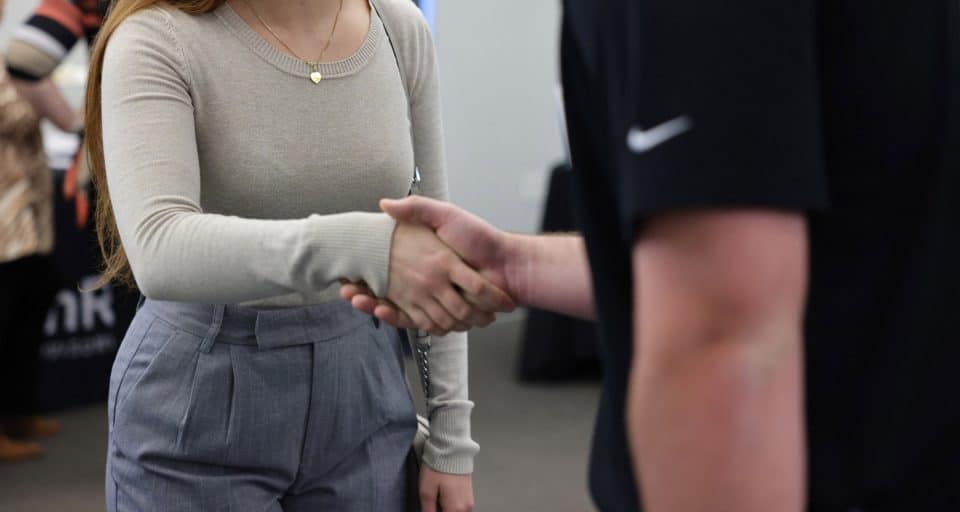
519, 253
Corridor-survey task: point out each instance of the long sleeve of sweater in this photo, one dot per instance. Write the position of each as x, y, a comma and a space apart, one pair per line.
177, 250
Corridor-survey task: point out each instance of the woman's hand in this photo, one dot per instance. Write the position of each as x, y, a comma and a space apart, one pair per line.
442, 492
481, 246
428, 281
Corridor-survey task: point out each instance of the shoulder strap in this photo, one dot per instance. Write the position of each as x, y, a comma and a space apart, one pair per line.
387, 21
388, 28
419, 345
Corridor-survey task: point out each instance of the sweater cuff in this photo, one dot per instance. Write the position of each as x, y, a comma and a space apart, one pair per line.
355, 246
450, 448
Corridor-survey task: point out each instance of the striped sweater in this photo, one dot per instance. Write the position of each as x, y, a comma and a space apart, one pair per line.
47, 37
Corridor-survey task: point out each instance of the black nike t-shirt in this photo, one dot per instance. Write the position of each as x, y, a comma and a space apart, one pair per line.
846, 111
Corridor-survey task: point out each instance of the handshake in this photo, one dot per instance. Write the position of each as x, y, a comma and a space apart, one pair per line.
449, 270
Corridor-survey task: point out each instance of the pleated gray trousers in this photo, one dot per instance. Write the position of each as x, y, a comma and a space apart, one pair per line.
224, 408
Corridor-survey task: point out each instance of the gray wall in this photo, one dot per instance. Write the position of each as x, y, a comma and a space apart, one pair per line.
16, 11
498, 75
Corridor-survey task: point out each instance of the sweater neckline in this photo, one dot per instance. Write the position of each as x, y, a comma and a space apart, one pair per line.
294, 66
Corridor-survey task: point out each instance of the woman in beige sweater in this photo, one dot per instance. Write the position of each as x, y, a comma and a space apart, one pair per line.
240, 149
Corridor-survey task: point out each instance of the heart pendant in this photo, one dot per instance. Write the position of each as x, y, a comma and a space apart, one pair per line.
316, 77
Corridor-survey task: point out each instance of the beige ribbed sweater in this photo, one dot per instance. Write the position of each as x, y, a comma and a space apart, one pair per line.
235, 179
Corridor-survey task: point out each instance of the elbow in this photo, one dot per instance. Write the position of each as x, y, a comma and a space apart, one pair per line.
157, 265
751, 326
728, 288
754, 339
150, 272
152, 283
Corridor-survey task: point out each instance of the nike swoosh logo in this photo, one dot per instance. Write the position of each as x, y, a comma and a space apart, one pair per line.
641, 141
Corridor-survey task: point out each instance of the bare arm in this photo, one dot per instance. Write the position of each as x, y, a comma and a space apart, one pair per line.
50, 104
551, 272
714, 404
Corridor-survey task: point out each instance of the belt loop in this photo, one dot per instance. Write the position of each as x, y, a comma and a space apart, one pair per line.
207, 344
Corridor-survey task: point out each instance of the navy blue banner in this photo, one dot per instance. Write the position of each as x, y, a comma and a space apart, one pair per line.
83, 330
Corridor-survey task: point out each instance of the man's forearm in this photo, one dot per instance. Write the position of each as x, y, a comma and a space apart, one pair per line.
551, 272
49, 103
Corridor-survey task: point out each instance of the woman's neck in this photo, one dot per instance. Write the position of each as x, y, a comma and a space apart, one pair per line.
296, 15
304, 25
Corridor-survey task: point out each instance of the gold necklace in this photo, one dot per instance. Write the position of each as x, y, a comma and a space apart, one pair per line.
315, 74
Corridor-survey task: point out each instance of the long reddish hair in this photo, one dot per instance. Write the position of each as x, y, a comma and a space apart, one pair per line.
115, 264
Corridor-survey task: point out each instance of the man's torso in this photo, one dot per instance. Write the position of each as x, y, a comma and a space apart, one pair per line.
880, 333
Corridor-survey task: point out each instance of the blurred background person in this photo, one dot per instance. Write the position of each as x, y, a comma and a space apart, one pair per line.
27, 276
39, 47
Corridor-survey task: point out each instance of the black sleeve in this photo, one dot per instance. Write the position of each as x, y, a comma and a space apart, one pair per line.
719, 107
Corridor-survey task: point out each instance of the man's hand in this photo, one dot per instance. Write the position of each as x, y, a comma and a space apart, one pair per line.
443, 492
427, 279
481, 245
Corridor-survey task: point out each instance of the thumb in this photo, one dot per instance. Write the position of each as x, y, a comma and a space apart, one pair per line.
416, 209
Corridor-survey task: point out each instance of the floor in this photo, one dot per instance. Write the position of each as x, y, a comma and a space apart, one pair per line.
534, 442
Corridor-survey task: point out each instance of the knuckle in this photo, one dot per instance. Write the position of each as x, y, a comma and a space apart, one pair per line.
462, 311
475, 287
437, 281
450, 259
423, 281
439, 259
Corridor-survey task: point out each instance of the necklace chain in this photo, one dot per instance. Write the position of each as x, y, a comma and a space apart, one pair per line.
314, 65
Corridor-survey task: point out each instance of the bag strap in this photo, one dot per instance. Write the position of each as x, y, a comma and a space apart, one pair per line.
420, 348
387, 22
419, 344
388, 28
